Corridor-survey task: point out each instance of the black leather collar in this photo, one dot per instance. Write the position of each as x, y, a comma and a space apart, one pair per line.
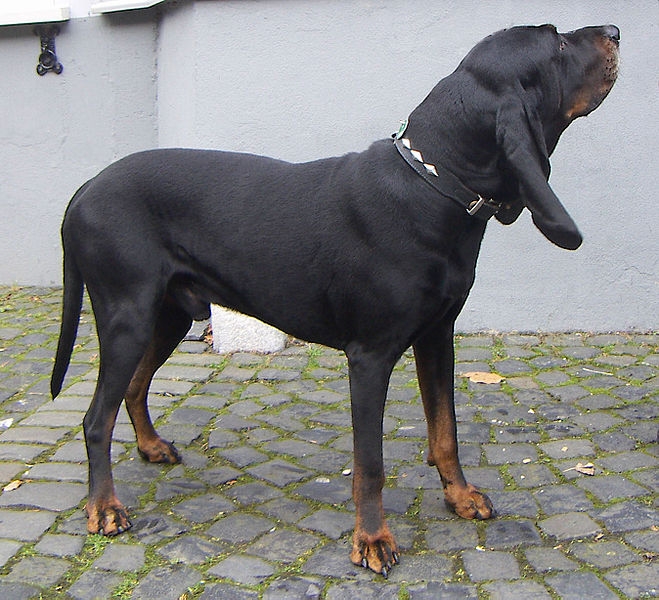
443, 181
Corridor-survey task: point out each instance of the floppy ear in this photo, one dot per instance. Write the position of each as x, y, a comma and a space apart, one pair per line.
520, 137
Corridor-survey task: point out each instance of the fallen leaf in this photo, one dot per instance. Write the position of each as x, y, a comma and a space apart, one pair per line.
13, 485
585, 469
483, 377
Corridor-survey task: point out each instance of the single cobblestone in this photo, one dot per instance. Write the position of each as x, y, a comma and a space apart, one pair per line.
452, 535
225, 591
246, 570
60, 545
569, 526
261, 506
239, 528
121, 557
294, 587
191, 550
580, 585
603, 554
94, 585
636, 581
546, 560
487, 565
7, 549
166, 583
433, 590
331, 523
516, 590
512, 534
38, 570
25, 526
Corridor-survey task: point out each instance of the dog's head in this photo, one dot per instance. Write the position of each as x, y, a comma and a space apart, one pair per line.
543, 80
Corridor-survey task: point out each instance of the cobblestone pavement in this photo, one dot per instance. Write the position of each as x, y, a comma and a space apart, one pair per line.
261, 508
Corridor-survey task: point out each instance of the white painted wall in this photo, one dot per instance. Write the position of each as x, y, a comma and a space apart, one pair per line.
302, 79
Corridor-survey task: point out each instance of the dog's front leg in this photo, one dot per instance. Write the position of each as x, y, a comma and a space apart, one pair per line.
434, 357
373, 544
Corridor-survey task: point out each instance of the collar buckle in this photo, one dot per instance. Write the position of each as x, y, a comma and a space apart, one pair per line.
475, 206
491, 207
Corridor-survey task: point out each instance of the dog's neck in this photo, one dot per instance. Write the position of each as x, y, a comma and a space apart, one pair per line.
442, 180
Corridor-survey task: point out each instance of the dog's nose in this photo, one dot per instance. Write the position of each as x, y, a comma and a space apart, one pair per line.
612, 31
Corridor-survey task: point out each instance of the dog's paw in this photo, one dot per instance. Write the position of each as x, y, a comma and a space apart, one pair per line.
470, 503
159, 451
107, 518
376, 552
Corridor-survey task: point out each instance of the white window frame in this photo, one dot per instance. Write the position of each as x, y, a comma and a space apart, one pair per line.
18, 12
106, 6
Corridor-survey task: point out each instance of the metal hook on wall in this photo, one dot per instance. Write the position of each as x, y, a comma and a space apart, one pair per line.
47, 58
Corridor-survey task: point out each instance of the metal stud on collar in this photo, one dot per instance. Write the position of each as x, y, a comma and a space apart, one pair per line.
417, 156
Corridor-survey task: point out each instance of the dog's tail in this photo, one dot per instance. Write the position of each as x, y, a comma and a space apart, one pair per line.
71, 309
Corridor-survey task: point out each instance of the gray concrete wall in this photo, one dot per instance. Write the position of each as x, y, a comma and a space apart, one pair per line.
57, 131
302, 79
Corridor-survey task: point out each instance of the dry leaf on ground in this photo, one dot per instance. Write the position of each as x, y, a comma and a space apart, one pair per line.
13, 485
483, 377
585, 469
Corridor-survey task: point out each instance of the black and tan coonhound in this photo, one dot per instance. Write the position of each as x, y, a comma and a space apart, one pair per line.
370, 252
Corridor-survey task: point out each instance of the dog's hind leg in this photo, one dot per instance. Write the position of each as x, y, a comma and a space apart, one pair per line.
123, 334
434, 356
373, 544
172, 325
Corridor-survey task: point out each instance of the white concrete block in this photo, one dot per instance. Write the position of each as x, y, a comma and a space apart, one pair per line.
234, 332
